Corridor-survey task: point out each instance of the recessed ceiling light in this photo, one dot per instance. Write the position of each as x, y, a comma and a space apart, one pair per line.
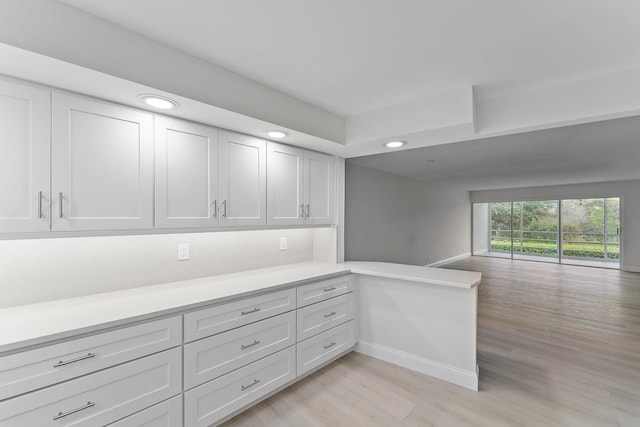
160, 102
394, 144
277, 134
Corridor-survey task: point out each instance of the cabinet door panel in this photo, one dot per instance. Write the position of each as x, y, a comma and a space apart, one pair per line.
243, 180
186, 174
102, 165
319, 188
284, 184
24, 158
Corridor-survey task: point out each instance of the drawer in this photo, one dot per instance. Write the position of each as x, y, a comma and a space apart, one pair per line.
34, 369
212, 357
220, 318
100, 398
324, 315
221, 397
165, 414
320, 291
323, 347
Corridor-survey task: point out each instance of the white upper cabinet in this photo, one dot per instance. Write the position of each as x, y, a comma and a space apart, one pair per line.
186, 174
102, 166
24, 158
300, 186
243, 180
319, 188
285, 189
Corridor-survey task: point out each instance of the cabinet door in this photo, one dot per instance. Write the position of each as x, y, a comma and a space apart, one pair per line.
102, 166
24, 158
284, 184
243, 179
319, 188
186, 174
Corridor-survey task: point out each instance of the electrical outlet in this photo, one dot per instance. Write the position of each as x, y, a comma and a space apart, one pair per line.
283, 243
183, 251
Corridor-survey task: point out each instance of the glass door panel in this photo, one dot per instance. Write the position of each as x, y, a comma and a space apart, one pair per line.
501, 230
535, 225
590, 230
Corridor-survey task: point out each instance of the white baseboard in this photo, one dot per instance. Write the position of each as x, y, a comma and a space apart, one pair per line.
630, 268
444, 261
461, 377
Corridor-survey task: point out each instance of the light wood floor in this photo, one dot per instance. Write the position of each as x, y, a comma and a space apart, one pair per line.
557, 346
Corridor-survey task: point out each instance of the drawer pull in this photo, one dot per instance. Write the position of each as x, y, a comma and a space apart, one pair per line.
333, 313
333, 288
330, 345
244, 347
244, 387
77, 359
255, 310
73, 411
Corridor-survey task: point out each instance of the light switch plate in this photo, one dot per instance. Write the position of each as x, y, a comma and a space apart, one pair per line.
283, 243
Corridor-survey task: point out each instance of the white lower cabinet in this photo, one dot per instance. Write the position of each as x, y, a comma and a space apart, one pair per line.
99, 398
34, 369
324, 315
195, 369
165, 414
214, 356
212, 401
323, 347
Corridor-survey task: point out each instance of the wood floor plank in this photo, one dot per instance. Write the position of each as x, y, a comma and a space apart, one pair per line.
558, 345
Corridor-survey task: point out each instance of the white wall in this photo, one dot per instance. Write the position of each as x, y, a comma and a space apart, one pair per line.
480, 227
628, 191
35, 270
392, 218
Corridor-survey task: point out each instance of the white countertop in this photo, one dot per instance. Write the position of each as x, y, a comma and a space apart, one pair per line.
416, 273
34, 324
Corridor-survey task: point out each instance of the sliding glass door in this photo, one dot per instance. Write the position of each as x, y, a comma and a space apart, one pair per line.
591, 231
572, 231
535, 230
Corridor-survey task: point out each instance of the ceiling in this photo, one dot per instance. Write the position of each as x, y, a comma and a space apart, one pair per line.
427, 71
593, 152
356, 56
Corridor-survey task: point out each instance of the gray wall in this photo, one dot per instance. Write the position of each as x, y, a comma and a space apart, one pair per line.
392, 218
628, 191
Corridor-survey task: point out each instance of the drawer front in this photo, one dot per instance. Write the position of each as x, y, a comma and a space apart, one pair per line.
100, 398
211, 321
212, 357
320, 291
31, 370
165, 414
324, 315
216, 399
324, 347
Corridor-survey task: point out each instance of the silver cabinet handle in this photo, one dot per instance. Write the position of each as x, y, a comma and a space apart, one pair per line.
333, 313
244, 313
244, 387
60, 200
224, 209
73, 411
39, 204
77, 359
302, 211
333, 288
244, 347
215, 208
307, 214
330, 345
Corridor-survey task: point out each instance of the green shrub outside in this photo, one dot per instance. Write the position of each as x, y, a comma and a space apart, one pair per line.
582, 250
